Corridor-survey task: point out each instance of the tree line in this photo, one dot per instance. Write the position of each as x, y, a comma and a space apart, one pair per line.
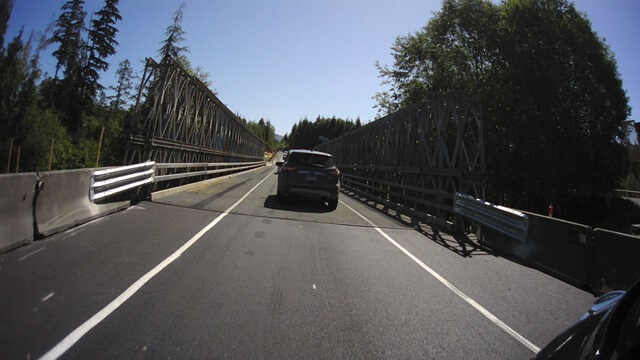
553, 103
307, 134
58, 122
264, 130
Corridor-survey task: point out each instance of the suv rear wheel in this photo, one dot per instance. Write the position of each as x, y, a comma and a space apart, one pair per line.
333, 203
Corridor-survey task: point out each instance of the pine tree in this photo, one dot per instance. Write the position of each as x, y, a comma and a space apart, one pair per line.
175, 35
68, 34
71, 55
5, 13
124, 89
102, 40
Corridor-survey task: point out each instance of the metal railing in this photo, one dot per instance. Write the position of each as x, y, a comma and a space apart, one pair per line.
185, 170
113, 181
436, 145
628, 193
510, 222
417, 202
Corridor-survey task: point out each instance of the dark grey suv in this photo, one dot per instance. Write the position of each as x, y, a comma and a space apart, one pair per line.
310, 174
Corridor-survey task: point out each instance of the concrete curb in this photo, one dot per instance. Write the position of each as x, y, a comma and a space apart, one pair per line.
64, 202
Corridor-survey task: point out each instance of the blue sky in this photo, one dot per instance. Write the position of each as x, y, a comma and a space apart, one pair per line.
283, 60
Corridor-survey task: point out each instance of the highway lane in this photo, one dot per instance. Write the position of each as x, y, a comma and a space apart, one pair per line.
275, 281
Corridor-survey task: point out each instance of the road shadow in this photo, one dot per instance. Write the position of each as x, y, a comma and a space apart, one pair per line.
463, 244
297, 204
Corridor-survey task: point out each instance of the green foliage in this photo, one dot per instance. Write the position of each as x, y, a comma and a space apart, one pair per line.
72, 110
264, 130
631, 182
71, 55
68, 34
102, 40
124, 92
197, 72
171, 49
102, 35
307, 134
606, 212
174, 36
553, 103
5, 13
19, 73
75, 95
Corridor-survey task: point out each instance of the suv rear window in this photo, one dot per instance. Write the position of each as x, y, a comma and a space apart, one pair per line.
310, 159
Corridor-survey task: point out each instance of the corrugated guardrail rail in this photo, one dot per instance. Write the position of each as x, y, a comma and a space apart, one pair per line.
206, 169
628, 193
510, 222
112, 181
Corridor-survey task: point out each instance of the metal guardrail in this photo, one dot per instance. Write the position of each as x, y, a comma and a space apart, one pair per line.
411, 200
510, 222
113, 181
628, 193
219, 168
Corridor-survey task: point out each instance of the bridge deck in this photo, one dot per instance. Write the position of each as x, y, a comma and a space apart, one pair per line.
269, 280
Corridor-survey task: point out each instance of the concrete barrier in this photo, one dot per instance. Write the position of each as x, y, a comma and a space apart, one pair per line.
17, 193
64, 201
615, 265
560, 248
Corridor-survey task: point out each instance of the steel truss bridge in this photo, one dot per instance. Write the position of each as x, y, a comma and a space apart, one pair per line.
416, 159
177, 119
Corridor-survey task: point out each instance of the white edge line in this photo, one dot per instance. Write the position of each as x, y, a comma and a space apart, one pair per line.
33, 253
47, 297
506, 328
83, 329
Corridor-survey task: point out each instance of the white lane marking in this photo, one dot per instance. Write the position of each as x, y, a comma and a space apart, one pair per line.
314, 286
451, 287
26, 256
47, 297
74, 232
83, 329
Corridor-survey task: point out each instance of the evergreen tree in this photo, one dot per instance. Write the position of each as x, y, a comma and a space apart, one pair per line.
124, 88
68, 34
553, 103
102, 44
175, 35
306, 134
5, 13
71, 55
19, 74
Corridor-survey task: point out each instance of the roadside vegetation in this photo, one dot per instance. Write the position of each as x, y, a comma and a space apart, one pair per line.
56, 121
554, 107
555, 110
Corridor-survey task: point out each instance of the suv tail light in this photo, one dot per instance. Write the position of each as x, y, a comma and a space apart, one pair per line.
335, 172
288, 167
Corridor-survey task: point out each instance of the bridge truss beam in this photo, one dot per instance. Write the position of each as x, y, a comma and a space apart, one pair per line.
418, 157
181, 121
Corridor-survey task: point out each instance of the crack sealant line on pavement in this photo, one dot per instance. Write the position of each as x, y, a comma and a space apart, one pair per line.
83, 329
494, 319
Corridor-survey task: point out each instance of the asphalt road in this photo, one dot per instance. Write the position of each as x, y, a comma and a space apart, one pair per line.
264, 280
